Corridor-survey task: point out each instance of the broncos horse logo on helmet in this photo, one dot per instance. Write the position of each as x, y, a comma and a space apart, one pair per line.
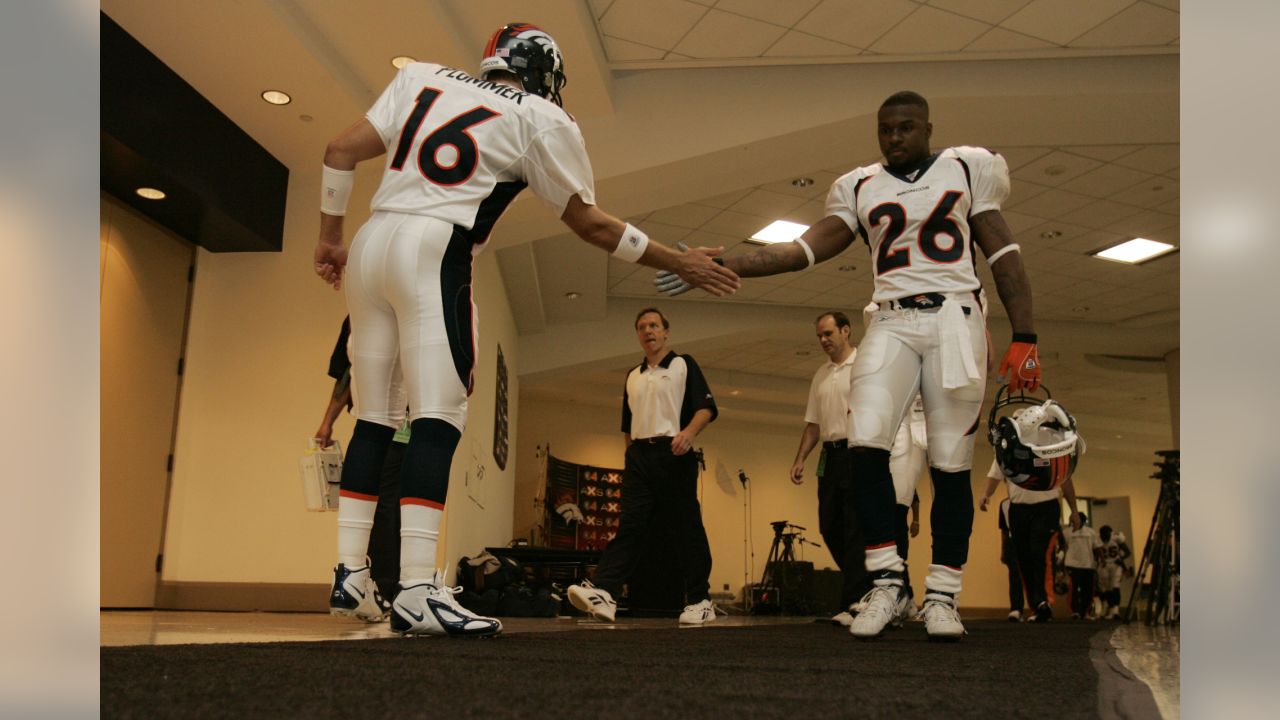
530, 54
1037, 446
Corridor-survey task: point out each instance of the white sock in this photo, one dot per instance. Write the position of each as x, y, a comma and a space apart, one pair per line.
884, 558
355, 520
419, 536
943, 578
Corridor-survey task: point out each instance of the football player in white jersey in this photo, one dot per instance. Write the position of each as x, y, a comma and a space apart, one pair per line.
458, 150
924, 216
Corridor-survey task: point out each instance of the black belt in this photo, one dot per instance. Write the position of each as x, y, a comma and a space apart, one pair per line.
923, 301
835, 444
657, 440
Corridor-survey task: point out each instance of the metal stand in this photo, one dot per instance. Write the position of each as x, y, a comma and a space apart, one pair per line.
1162, 554
778, 578
748, 558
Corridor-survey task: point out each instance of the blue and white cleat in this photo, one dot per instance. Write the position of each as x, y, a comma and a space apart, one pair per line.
429, 608
355, 595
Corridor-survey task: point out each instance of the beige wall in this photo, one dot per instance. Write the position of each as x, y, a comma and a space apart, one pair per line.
589, 434
262, 328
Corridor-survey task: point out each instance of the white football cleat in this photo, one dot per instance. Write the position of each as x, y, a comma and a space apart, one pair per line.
883, 608
355, 595
429, 608
593, 601
941, 620
699, 613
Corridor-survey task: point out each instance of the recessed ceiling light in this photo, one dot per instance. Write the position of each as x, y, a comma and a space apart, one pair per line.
804, 353
150, 193
1135, 251
735, 393
1055, 170
1157, 188
1051, 234
572, 295
802, 182
305, 118
1080, 310
275, 97
847, 268
779, 231
400, 61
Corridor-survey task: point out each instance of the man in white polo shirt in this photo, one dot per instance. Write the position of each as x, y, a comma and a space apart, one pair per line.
665, 405
827, 421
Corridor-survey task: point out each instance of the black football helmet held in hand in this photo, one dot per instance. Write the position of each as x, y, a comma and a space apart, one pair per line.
1037, 445
530, 54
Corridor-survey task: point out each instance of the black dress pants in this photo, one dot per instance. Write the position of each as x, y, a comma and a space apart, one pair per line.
1082, 584
652, 475
839, 526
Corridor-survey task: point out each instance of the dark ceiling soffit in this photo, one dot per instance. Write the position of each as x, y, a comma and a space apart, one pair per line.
225, 192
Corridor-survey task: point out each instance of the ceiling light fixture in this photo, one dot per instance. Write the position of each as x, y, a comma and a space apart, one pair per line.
778, 231
804, 353
150, 193
400, 61
802, 182
275, 97
1055, 170
1051, 234
847, 268
305, 118
1137, 250
573, 295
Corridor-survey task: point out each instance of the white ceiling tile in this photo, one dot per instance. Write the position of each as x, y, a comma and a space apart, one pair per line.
929, 30
788, 296
1149, 194
1174, 173
1016, 157
999, 39
725, 35
1055, 168
1020, 222
988, 11
763, 203
771, 11
821, 184
1170, 4
725, 200
855, 22
1061, 22
1054, 204
633, 20
685, 216
808, 213
1022, 191
676, 56
1144, 224
799, 44
1139, 25
736, 224
1087, 242
618, 50
599, 7
1106, 180
1100, 214
1160, 159
1105, 153
1173, 207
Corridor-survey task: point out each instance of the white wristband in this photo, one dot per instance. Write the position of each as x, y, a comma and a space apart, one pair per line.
808, 251
631, 245
335, 190
1011, 247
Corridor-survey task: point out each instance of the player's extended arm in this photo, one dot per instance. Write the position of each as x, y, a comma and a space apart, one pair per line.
356, 143
696, 267
824, 240
808, 439
996, 240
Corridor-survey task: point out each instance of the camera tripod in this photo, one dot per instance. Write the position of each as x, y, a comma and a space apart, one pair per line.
1162, 553
779, 582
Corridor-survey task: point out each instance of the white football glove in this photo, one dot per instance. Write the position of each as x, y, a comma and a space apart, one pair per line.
669, 283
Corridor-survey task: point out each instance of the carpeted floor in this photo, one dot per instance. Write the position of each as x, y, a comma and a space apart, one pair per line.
780, 671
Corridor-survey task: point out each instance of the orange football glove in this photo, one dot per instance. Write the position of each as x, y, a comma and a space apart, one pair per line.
1021, 364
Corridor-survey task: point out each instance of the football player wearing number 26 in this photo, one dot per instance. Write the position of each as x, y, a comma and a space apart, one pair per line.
458, 148
921, 214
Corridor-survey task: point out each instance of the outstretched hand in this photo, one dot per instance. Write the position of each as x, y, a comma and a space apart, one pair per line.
331, 260
698, 268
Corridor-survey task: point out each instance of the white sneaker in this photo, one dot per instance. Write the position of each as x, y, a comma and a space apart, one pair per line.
699, 613
1113, 613
355, 595
594, 601
430, 609
1015, 616
941, 620
844, 619
883, 608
